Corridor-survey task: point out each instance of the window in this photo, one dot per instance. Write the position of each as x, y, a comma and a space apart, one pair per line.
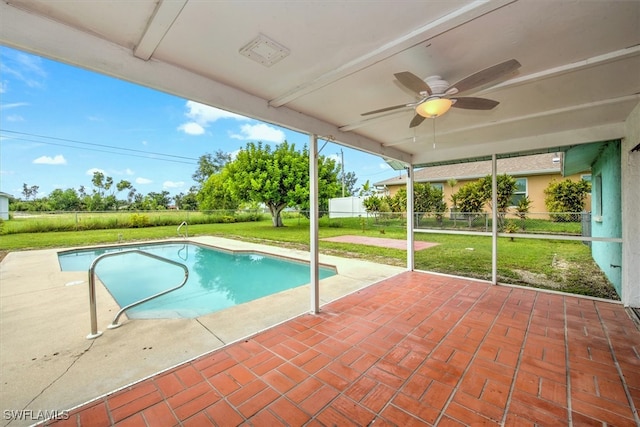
521, 191
437, 185
597, 184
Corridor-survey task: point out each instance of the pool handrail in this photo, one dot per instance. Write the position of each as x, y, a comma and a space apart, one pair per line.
92, 288
186, 234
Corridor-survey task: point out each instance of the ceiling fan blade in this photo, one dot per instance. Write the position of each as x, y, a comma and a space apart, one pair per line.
412, 82
487, 75
417, 119
471, 103
382, 110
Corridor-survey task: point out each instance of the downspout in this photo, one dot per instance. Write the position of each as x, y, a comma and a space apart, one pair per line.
494, 220
314, 284
410, 220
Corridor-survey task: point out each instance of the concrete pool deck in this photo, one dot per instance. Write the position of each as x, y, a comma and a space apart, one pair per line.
47, 364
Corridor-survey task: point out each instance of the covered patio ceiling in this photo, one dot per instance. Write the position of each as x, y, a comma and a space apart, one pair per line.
579, 77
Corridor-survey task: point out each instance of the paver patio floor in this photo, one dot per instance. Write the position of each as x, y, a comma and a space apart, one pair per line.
416, 349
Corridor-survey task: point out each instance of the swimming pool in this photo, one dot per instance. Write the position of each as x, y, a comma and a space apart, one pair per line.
217, 279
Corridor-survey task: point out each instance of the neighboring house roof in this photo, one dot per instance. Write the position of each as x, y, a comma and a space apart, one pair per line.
539, 164
7, 195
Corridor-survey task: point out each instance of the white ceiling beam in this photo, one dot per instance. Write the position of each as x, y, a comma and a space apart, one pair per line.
568, 68
48, 38
163, 17
458, 17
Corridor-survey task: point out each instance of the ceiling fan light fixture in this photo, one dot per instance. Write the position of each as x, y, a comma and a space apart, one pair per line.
433, 108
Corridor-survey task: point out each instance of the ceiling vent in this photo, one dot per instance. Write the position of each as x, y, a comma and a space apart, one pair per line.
264, 50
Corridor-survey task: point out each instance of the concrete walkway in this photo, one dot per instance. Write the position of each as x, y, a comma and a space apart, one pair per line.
47, 364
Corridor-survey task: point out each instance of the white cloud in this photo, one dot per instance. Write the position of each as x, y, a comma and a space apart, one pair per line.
191, 128
205, 114
91, 171
3, 87
13, 105
127, 171
234, 154
335, 157
172, 184
143, 181
15, 118
47, 160
259, 132
24, 67
200, 116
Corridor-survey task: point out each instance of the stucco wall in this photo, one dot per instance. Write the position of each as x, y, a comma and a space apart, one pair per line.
630, 166
608, 223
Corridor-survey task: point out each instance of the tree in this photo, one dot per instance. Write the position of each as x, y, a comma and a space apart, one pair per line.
29, 192
566, 197
506, 186
429, 199
279, 178
367, 190
350, 180
215, 194
375, 204
100, 200
66, 200
189, 201
154, 201
210, 164
101, 183
398, 203
471, 199
452, 182
522, 210
472, 196
329, 185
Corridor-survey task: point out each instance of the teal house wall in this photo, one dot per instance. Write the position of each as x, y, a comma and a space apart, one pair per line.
606, 215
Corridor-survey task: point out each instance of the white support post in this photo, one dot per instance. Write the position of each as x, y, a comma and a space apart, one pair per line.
313, 217
410, 220
494, 221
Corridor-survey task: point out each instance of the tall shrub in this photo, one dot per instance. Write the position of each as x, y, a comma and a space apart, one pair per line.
429, 199
565, 199
471, 199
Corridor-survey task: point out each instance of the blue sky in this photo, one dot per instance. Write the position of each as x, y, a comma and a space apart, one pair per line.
60, 123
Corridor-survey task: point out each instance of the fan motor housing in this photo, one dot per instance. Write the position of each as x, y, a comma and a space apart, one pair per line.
437, 85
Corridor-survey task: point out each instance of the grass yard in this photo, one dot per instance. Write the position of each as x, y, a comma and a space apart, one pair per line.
553, 264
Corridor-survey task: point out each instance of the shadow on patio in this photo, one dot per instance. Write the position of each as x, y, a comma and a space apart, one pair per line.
417, 349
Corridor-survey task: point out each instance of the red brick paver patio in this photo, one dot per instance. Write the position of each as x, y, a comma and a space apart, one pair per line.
417, 349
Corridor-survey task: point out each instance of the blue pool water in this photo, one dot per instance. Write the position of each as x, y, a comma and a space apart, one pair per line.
217, 279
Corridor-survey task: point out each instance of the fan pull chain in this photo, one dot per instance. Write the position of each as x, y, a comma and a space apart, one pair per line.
434, 133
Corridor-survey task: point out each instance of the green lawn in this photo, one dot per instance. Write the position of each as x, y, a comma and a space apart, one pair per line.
553, 264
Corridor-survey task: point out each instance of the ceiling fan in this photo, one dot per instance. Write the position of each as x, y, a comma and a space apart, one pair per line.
437, 96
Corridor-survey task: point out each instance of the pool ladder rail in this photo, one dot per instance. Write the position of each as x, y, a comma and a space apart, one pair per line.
92, 289
186, 229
